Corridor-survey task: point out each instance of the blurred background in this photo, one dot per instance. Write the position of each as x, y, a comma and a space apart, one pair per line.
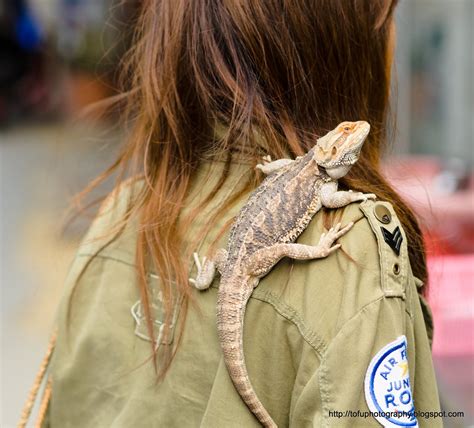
58, 56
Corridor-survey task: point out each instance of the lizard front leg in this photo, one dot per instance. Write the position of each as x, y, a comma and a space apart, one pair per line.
260, 263
207, 269
332, 198
270, 166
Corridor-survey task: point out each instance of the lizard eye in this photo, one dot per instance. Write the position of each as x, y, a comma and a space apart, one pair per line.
334, 150
347, 128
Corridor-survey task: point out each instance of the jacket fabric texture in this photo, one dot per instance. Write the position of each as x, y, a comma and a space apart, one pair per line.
313, 331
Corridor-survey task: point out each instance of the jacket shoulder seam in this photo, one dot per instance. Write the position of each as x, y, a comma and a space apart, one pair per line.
289, 313
107, 257
286, 311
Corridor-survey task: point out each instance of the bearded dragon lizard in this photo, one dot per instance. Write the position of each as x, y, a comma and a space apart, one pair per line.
265, 230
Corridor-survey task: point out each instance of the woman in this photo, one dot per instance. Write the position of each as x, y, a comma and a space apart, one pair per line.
211, 88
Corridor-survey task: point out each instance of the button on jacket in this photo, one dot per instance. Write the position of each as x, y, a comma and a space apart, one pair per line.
313, 336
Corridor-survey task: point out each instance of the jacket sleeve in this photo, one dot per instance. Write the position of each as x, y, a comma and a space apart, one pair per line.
379, 362
99, 237
377, 369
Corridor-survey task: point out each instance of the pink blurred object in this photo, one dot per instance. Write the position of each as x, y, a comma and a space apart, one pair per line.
448, 217
451, 296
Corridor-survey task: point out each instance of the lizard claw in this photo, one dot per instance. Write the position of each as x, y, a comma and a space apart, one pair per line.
196, 260
334, 233
266, 160
365, 196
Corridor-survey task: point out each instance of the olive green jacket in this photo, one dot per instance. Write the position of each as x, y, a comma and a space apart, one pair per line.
314, 331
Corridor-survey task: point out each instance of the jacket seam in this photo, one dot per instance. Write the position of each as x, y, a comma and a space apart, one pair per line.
323, 379
323, 370
106, 257
287, 312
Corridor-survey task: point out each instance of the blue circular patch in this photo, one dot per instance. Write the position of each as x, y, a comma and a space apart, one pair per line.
387, 386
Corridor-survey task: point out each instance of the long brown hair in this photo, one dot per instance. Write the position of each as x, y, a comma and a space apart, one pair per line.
287, 70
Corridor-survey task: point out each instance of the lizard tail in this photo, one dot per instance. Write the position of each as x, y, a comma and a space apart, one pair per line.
230, 316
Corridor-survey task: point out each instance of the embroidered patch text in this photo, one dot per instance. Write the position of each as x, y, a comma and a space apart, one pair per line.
388, 391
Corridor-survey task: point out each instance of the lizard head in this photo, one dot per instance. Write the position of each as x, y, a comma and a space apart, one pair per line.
339, 149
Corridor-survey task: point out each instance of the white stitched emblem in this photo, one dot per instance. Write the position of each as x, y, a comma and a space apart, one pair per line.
387, 386
158, 315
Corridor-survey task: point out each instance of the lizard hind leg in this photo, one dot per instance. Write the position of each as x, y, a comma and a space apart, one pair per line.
262, 261
206, 269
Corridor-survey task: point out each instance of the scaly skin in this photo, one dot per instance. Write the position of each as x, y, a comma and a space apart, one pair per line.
265, 230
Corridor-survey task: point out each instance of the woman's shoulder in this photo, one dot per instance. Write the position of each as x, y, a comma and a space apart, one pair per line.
321, 295
108, 246
113, 232
103, 266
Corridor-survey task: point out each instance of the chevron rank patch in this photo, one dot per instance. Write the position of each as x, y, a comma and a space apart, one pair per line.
393, 239
387, 386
